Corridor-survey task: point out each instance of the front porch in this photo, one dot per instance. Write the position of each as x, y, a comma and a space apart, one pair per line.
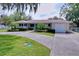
32, 26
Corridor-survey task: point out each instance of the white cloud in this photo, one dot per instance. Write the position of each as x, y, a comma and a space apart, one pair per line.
47, 10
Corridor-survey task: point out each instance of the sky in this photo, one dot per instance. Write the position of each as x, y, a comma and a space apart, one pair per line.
47, 10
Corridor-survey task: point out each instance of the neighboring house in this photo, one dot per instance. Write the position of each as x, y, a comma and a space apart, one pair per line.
59, 25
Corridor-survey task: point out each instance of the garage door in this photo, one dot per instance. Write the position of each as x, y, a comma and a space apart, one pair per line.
59, 28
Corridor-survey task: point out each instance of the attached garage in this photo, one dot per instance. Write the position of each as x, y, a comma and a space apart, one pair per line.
61, 26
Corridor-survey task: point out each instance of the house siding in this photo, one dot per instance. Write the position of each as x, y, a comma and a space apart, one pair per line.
67, 27
53, 26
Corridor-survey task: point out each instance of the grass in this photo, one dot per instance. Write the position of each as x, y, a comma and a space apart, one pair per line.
3, 30
11, 45
46, 33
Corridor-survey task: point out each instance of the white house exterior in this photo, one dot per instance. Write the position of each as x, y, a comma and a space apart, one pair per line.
59, 25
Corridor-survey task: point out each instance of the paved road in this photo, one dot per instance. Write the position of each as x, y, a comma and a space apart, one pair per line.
66, 45
45, 40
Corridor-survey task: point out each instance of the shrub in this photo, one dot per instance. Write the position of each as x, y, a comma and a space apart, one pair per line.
22, 29
51, 30
41, 27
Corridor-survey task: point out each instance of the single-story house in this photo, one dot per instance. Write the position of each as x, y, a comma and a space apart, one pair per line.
59, 25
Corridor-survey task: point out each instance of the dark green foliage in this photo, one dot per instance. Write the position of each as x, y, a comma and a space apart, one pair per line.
40, 27
71, 12
22, 29
51, 30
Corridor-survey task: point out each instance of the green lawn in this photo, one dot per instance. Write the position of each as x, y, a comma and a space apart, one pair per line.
11, 45
46, 33
3, 30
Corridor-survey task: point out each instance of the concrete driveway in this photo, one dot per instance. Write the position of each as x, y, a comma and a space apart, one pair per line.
66, 45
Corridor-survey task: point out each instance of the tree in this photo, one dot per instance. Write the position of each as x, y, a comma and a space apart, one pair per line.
16, 16
6, 20
71, 12
19, 14
22, 7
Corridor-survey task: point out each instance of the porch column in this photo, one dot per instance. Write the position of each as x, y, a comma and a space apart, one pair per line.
23, 25
27, 26
34, 27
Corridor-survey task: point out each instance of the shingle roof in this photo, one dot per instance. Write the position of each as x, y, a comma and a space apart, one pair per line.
43, 21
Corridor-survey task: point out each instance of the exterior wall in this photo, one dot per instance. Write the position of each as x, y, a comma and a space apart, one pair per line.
47, 24
23, 26
66, 25
53, 26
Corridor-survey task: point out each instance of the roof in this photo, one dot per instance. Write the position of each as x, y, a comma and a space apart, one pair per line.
43, 21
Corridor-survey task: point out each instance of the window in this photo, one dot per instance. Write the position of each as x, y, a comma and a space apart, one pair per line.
31, 25
20, 24
25, 24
